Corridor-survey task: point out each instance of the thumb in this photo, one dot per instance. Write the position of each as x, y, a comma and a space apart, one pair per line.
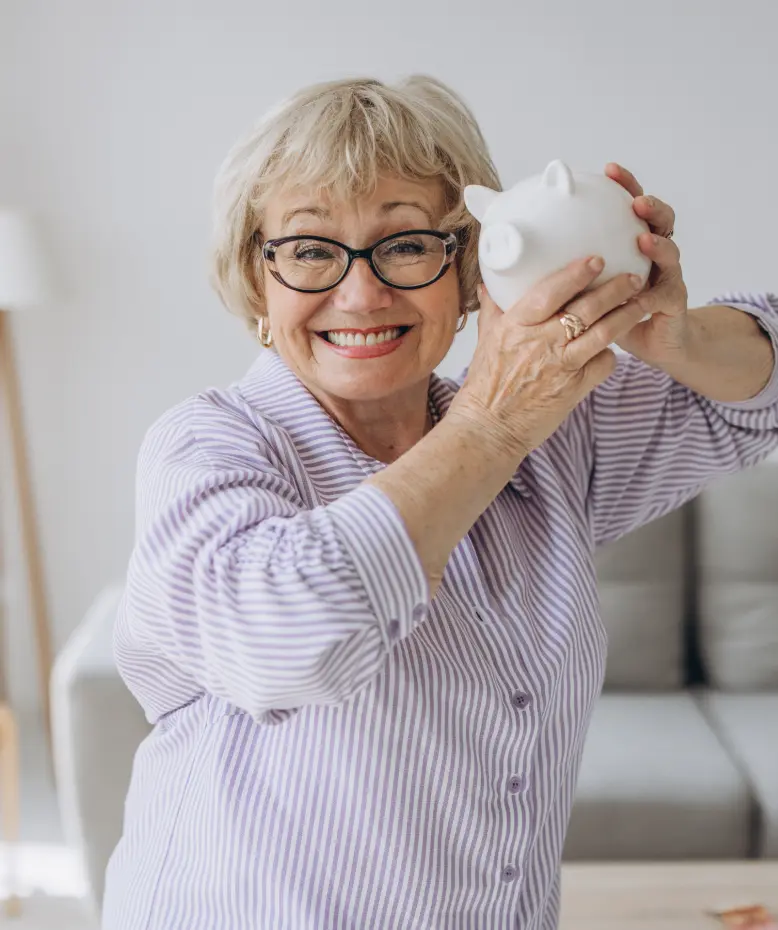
488, 311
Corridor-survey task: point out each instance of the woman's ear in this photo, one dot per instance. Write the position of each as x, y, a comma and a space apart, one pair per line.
477, 199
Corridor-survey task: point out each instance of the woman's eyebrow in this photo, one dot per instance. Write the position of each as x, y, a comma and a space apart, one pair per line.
393, 204
318, 212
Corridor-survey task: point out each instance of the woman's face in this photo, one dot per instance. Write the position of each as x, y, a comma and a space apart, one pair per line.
361, 302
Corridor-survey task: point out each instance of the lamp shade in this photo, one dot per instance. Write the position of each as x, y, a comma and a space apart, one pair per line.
23, 273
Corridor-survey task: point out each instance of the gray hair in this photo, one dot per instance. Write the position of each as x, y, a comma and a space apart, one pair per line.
340, 136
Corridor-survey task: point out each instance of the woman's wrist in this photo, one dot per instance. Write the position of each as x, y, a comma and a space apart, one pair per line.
443, 484
485, 431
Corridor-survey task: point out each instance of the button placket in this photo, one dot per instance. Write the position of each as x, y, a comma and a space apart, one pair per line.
521, 700
509, 873
419, 613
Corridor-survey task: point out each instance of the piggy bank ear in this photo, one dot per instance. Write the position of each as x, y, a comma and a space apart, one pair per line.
559, 176
478, 198
500, 246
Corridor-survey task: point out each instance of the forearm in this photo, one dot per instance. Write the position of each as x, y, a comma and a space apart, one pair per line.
443, 484
729, 357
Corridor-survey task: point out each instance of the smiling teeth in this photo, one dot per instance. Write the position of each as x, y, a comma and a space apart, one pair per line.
359, 339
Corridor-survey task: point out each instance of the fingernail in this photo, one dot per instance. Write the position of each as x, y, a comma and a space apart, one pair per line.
596, 263
636, 281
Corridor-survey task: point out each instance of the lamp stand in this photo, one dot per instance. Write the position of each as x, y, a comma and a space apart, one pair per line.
9, 735
9, 388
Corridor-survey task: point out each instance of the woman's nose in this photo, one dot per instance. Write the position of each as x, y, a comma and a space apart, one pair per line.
361, 287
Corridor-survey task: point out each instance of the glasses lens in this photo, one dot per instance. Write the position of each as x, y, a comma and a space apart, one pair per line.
410, 259
309, 264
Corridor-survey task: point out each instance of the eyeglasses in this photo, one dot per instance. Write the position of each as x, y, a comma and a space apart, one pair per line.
405, 260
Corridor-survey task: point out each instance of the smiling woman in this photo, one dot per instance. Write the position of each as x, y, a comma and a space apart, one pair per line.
369, 669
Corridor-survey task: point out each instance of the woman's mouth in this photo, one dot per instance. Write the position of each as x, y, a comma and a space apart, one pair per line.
358, 344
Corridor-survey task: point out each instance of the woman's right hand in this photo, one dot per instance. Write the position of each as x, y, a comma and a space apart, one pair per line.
525, 377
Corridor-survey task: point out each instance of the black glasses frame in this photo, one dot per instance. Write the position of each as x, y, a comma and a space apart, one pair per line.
449, 239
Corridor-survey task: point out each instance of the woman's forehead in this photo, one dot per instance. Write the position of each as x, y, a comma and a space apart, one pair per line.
390, 196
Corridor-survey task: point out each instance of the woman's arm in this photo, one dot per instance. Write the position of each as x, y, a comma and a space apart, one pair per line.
652, 443
728, 357
236, 589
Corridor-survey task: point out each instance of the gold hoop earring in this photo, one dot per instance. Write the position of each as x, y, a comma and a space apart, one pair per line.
463, 321
264, 338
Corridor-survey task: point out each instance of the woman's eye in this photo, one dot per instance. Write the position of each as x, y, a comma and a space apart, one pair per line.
312, 253
405, 247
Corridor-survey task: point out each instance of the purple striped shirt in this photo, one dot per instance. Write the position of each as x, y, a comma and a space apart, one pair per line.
333, 750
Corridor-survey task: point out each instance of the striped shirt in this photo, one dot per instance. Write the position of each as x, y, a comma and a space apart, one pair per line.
332, 749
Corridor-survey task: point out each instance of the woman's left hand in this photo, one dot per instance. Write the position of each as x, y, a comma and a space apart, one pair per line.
664, 337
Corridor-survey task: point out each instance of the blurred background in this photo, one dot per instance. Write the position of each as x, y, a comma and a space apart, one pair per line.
115, 115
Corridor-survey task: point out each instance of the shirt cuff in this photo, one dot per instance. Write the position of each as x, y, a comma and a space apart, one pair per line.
768, 396
386, 560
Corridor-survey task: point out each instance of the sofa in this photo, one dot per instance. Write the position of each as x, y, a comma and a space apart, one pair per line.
681, 759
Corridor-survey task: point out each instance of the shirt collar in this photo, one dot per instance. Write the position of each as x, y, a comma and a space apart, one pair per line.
273, 389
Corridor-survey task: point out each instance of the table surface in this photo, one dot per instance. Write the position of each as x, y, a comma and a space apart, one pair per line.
662, 895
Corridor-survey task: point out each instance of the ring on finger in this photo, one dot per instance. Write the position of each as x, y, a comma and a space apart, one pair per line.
574, 325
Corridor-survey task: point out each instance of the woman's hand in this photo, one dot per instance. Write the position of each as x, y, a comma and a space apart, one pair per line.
526, 377
663, 338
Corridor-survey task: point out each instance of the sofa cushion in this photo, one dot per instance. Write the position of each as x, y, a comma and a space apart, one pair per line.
655, 783
737, 545
642, 583
747, 725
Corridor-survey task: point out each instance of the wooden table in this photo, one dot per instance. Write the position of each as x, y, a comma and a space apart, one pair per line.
664, 895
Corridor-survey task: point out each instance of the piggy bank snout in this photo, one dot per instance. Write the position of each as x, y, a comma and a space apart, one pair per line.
500, 246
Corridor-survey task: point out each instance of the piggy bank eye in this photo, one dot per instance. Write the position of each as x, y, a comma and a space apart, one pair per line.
500, 246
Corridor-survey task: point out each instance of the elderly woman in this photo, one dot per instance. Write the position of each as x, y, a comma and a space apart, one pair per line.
361, 611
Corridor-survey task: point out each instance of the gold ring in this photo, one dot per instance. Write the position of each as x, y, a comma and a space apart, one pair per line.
573, 325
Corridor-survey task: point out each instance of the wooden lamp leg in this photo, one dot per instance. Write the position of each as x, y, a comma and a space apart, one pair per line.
9, 796
9, 387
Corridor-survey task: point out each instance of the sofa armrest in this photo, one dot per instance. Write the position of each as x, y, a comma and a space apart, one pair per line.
97, 726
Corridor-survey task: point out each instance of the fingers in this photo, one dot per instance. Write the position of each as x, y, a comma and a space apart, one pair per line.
627, 180
579, 352
555, 291
663, 252
595, 304
660, 216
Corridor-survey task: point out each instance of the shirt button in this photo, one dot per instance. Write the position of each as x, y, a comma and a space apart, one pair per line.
520, 699
509, 873
515, 784
393, 629
419, 612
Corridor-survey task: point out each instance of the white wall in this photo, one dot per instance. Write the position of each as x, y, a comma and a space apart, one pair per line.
114, 115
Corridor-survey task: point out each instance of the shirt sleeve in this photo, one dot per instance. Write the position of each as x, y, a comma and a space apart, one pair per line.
236, 589
651, 444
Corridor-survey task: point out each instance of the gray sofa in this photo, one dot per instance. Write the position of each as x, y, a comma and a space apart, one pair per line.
681, 760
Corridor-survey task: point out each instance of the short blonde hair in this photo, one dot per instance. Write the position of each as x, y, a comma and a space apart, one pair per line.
340, 136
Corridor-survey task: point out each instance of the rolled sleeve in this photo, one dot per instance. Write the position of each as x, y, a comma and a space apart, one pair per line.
651, 444
373, 532
238, 590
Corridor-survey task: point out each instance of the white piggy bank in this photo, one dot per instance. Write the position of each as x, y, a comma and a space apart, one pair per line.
549, 220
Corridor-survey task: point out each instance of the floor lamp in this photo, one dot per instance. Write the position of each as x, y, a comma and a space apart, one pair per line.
22, 285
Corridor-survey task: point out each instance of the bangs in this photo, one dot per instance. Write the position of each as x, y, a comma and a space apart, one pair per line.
342, 145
